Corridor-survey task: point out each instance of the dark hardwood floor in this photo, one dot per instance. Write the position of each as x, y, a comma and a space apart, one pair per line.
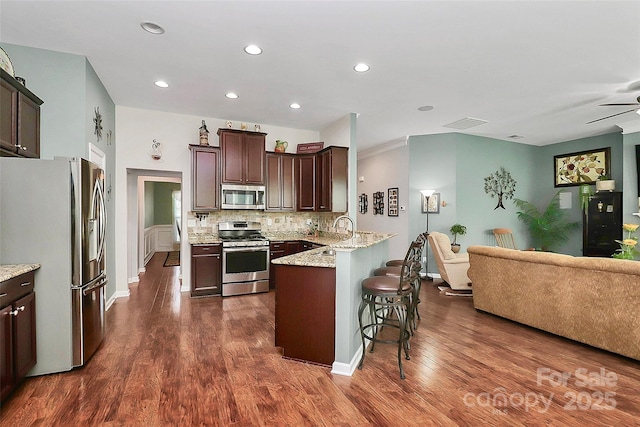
169, 360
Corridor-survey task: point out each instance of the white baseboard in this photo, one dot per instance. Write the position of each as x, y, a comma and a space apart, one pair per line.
133, 279
121, 294
347, 369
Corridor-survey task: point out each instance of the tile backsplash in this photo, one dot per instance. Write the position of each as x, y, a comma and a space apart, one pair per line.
295, 222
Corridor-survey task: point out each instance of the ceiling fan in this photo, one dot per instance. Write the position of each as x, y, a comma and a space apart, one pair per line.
637, 104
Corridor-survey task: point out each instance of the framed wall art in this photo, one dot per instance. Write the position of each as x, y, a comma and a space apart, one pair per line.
583, 167
378, 203
392, 195
432, 205
363, 203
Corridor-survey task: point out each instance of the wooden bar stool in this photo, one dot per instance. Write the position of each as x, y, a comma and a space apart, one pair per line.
383, 296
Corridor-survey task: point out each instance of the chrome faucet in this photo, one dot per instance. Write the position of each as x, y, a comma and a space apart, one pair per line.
353, 228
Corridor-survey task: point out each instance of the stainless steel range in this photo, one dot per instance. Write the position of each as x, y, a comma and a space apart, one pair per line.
245, 258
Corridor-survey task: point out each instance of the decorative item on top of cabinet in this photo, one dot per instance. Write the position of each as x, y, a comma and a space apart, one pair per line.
204, 134
243, 156
281, 146
19, 119
205, 178
17, 331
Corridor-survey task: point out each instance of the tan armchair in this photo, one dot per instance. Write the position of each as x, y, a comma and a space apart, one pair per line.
452, 267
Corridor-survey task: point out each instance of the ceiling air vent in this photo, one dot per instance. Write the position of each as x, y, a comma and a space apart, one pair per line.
465, 123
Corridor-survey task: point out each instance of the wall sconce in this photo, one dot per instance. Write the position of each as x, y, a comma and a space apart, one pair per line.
156, 152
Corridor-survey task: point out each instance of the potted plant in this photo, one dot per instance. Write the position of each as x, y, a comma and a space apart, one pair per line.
585, 197
547, 228
457, 230
605, 183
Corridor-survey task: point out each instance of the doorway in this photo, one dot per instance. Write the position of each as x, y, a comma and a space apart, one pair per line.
147, 234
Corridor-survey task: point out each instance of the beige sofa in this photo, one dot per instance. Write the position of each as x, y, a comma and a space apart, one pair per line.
592, 300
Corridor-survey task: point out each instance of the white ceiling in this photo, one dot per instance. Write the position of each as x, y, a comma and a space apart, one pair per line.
536, 69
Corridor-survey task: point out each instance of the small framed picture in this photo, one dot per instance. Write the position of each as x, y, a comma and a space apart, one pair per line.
432, 204
392, 196
378, 203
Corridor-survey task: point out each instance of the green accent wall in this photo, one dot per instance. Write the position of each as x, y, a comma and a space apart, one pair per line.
158, 202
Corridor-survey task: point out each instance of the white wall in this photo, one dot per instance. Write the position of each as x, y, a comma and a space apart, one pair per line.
382, 171
136, 129
342, 133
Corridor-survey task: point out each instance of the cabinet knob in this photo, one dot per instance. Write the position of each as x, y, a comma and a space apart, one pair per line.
17, 310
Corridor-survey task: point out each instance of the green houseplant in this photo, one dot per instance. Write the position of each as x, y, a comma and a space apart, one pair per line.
457, 230
547, 228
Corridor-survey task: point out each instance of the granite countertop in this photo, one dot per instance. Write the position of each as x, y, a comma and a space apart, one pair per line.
310, 258
9, 271
316, 258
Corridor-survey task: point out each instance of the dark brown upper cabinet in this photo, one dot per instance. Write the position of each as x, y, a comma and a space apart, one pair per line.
322, 180
243, 156
19, 119
281, 182
205, 178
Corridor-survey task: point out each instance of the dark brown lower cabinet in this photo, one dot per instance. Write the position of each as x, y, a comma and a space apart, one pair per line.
305, 312
206, 270
17, 331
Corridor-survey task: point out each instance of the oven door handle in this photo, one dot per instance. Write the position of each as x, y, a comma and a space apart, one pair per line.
246, 249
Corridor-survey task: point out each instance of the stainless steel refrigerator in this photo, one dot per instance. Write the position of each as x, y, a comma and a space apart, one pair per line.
52, 212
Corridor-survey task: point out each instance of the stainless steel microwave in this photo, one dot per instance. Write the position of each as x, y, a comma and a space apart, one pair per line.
242, 196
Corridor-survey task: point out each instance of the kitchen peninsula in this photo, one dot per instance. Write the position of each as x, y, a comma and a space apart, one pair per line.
317, 298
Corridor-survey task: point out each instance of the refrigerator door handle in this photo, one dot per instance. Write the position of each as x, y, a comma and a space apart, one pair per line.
100, 216
95, 285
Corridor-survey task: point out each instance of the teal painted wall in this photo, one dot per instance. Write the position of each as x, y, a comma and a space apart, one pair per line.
71, 89
59, 80
455, 165
478, 158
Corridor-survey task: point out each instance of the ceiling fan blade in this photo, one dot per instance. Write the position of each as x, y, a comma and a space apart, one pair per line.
613, 115
613, 105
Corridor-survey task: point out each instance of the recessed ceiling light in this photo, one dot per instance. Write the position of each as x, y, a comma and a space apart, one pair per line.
425, 108
252, 49
231, 95
152, 27
514, 136
161, 83
361, 68
295, 105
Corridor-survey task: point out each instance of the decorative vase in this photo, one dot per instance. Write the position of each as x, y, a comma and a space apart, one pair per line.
455, 248
605, 185
281, 146
204, 134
